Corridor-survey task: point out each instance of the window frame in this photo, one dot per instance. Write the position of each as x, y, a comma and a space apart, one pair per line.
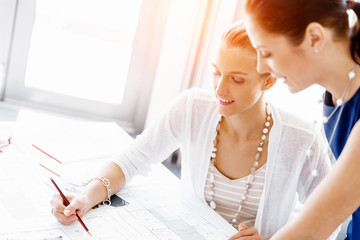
131, 113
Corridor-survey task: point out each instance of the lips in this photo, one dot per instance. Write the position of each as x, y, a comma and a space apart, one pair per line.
225, 101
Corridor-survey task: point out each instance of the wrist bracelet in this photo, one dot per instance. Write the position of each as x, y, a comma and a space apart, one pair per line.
106, 183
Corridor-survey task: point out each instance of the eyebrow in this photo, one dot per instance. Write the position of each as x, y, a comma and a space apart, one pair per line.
242, 73
260, 46
237, 72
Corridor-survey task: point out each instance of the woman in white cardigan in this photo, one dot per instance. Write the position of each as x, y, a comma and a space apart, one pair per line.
249, 161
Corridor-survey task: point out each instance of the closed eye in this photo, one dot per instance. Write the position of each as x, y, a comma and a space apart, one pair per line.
237, 79
265, 54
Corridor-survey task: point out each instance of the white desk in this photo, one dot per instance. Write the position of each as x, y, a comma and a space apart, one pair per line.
155, 211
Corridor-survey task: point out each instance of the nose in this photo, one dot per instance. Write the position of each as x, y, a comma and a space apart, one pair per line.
262, 65
221, 87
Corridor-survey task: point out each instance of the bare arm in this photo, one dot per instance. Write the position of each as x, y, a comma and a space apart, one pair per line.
335, 198
94, 193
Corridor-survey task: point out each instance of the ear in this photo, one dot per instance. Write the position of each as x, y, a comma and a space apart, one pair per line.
314, 37
269, 82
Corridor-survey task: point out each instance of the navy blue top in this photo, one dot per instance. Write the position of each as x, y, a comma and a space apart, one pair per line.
349, 116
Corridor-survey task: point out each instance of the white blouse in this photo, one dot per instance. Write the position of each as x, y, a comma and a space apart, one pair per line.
189, 123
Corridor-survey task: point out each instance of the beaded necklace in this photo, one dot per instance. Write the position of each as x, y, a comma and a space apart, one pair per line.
340, 103
250, 177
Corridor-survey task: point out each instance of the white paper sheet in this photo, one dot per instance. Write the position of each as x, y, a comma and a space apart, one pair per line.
67, 139
156, 210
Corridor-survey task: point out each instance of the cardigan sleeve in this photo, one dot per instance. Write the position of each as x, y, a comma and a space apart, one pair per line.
316, 166
158, 140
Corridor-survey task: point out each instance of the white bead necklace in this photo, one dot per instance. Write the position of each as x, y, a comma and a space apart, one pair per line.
251, 176
340, 103
325, 119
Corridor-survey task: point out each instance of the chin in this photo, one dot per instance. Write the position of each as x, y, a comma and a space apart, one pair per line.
293, 89
224, 113
297, 89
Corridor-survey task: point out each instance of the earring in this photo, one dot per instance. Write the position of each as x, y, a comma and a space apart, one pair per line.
316, 50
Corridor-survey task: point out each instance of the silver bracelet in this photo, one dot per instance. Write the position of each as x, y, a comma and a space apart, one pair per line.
106, 183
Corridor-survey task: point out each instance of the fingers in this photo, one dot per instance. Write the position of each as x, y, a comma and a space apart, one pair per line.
75, 206
242, 226
248, 238
57, 204
246, 233
56, 200
58, 208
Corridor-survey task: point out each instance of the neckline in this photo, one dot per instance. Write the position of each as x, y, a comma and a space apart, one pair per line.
329, 102
239, 179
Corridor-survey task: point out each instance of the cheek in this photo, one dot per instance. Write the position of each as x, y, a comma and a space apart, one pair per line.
249, 95
215, 83
280, 64
291, 65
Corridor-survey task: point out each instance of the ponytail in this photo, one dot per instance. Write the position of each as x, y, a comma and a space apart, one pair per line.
355, 32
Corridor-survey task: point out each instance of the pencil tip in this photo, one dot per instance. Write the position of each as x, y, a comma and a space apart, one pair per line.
89, 233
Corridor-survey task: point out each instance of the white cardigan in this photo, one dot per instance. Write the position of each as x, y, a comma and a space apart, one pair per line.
189, 123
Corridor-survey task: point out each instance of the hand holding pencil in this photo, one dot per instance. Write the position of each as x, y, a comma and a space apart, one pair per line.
66, 214
67, 209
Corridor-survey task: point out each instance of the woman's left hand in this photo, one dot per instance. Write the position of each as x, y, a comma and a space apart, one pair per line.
246, 233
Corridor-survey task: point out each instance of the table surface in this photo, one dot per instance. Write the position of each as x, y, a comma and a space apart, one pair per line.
41, 147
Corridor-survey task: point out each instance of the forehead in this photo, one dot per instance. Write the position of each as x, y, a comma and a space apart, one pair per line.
235, 57
260, 38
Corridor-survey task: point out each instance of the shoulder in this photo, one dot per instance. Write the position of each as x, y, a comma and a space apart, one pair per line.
295, 123
295, 129
193, 103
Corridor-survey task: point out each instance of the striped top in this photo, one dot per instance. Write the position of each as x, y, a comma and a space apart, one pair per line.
228, 194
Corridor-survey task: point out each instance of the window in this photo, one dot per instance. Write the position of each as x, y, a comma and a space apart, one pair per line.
77, 51
113, 60
86, 57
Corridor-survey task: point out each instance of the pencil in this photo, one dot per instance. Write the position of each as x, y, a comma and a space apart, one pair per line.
67, 203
